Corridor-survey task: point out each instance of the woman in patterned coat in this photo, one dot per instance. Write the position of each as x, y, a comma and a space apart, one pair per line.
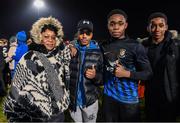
39, 87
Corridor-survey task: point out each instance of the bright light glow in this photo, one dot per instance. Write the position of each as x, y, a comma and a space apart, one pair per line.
39, 3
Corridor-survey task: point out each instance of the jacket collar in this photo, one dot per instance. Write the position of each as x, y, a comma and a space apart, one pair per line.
166, 39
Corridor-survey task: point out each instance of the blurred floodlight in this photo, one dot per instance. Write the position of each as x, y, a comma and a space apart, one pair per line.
39, 3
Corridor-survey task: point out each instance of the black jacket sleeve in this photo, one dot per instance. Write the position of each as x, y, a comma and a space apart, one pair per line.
144, 71
2, 61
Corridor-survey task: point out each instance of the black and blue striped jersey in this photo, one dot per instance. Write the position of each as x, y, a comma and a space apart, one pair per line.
131, 55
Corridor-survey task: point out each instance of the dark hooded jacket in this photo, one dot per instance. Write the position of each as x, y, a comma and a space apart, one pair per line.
165, 62
2, 66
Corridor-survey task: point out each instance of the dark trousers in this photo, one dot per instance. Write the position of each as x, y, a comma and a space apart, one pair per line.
2, 85
115, 111
160, 112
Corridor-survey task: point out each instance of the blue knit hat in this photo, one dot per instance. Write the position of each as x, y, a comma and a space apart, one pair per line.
21, 36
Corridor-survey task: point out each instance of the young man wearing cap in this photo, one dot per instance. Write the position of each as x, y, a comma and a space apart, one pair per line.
86, 74
162, 91
125, 63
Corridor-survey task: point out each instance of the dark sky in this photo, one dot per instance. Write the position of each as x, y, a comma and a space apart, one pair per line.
17, 15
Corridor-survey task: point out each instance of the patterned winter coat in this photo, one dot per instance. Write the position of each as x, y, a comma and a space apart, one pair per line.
31, 98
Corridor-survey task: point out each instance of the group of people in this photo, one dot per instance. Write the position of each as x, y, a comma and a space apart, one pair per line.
54, 77
11, 53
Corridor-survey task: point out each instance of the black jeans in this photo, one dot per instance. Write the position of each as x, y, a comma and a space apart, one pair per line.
2, 85
160, 112
115, 111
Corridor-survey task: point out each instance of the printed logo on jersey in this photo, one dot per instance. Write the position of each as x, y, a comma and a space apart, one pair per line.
122, 53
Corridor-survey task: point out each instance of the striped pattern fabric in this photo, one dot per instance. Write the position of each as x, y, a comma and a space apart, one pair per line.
123, 90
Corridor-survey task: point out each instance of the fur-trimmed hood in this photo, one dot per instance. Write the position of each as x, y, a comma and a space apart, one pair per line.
38, 25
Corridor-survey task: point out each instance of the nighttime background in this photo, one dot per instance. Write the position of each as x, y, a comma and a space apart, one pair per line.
17, 15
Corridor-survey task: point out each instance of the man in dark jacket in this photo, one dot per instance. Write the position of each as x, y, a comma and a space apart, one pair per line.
162, 91
86, 74
125, 63
2, 66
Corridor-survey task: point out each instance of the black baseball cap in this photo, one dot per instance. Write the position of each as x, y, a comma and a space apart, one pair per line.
85, 24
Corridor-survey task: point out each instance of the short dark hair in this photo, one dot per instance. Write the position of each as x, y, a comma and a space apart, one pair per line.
50, 27
156, 15
117, 11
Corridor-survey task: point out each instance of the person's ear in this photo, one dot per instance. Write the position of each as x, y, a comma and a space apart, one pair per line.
41, 39
126, 25
91, 35
166, 27
148, 29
